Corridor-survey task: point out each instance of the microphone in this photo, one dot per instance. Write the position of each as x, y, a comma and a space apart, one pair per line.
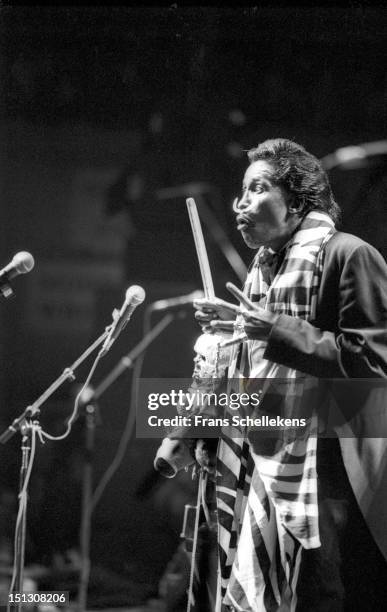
134, 296
176, 302
21, 263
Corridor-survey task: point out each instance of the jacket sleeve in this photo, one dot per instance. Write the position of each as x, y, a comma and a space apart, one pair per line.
358, 347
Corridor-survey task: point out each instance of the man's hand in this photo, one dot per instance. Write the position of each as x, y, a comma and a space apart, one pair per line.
257, 322
214, 310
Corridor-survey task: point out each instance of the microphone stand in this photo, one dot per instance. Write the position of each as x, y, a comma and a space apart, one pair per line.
27, 423
91, 410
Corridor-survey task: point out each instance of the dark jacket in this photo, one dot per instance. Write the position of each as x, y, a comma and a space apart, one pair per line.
347, 340
349, 336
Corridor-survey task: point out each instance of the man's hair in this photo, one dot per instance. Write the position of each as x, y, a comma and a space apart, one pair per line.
300, 173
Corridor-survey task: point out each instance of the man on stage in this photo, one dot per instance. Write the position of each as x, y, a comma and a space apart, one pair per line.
301, 519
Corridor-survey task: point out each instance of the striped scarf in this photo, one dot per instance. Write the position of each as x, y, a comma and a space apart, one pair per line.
267, 487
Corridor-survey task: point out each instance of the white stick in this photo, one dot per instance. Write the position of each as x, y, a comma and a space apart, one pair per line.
201, 251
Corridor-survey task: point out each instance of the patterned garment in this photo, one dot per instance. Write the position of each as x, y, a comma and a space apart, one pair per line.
267, 487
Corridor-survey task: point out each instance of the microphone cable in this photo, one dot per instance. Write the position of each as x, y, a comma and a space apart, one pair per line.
74, 413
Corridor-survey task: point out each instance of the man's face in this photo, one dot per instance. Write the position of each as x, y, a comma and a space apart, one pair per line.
262, 212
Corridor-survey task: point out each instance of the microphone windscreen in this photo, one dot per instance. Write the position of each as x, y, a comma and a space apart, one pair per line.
136, 294
23, 262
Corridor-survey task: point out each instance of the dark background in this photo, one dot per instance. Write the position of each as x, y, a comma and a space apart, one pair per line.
101, 109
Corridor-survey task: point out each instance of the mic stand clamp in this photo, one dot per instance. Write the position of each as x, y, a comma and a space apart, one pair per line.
19, 423
6, 289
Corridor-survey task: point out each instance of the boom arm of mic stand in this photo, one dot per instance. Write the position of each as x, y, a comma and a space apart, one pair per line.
33, 410
127, 361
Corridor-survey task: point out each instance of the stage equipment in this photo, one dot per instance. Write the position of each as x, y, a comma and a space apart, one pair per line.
354, 156
175, 302
90, 498
134, 296
28, 425
177, 451
21, 263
